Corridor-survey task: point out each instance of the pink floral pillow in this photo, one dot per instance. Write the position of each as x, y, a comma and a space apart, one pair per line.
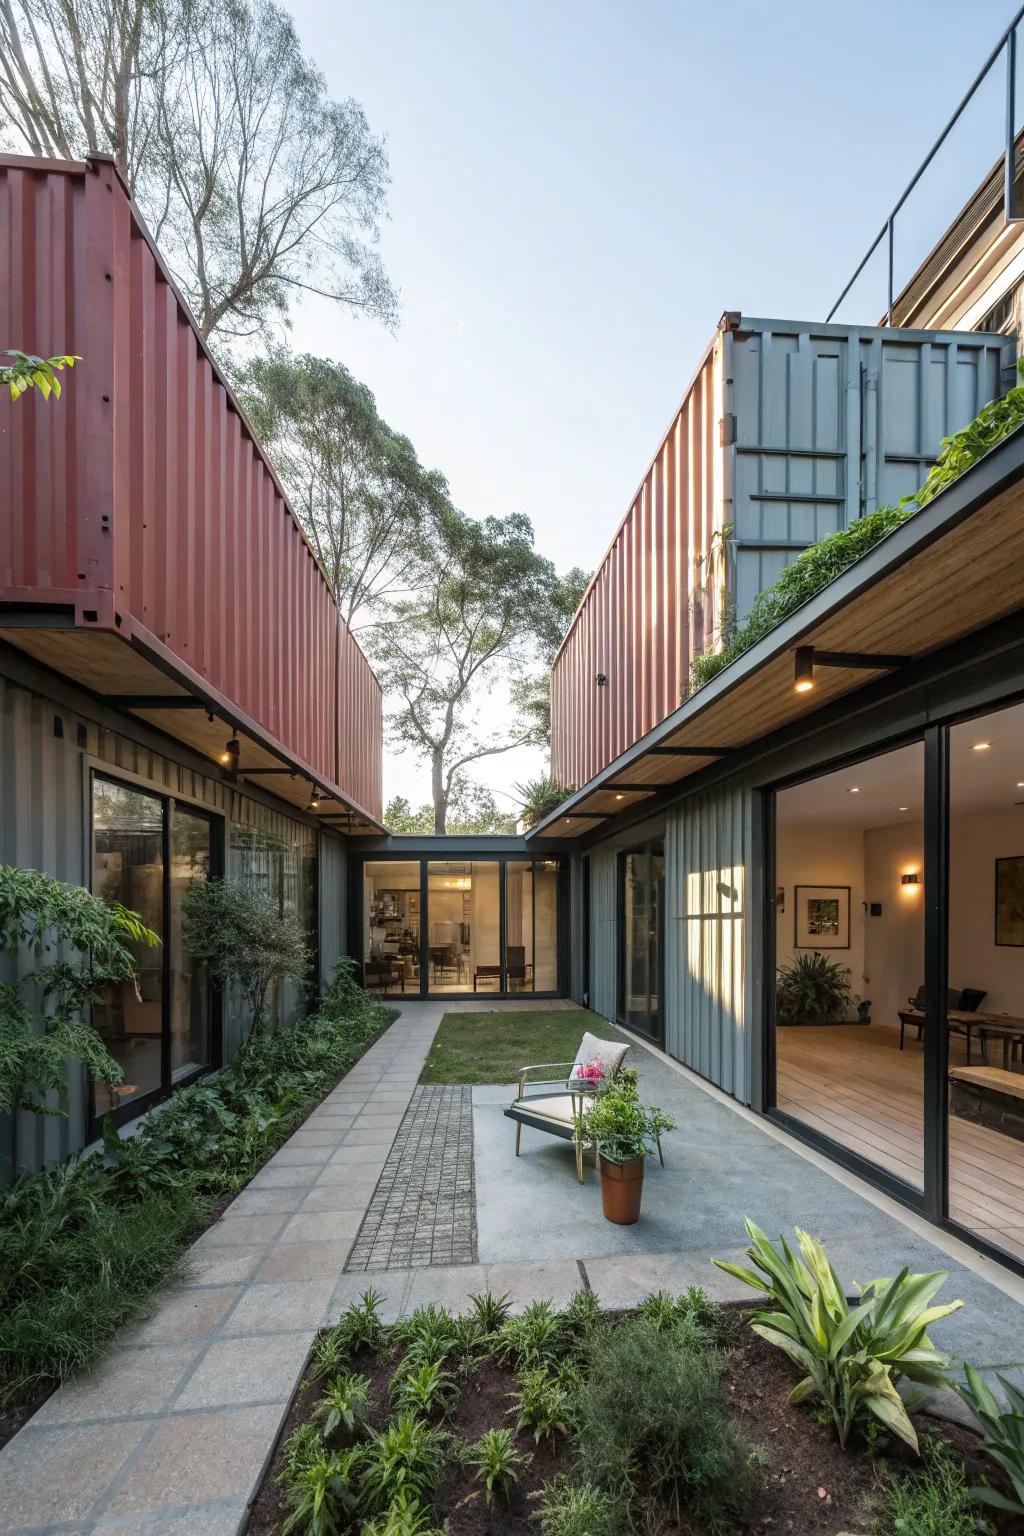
597, 1059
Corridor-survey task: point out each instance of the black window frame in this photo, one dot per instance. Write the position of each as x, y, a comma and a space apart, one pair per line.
97, 770
454, 854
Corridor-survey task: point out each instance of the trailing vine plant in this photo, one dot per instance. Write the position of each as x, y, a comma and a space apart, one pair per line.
823, 562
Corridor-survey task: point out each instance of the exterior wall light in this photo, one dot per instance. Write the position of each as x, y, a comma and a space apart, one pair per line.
229, 757
314, 799
803, 671
601, 679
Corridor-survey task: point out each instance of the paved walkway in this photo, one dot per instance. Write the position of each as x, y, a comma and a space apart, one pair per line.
422, 1212
171, 1435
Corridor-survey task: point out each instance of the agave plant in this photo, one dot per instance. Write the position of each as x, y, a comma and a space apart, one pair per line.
1003, 1435
853, 1356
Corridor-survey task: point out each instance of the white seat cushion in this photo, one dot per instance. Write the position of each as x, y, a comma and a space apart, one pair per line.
554, 1107
608, 1053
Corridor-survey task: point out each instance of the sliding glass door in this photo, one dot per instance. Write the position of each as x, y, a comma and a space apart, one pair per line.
147, 849
461, 927
641, 895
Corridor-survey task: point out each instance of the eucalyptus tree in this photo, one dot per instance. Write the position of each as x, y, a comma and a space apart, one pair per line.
369, 508
257, 185
464, 635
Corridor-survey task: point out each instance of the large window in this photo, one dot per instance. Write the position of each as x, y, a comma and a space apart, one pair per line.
276, 856
984, 1011
849, 952
487, 926
146, 851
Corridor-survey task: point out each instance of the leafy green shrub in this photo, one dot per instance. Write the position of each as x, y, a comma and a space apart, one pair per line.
539, 798
323, 1494
623, 1128
582, 1313
427, 1334
823, 562
810, 989
360, 1328
568, 1508
44, 1029
407, 1457
246, 940
344, 1408
303, 1447
934, 1501
542, 1404
469, 1343
692, 1307
490, 1311
83, 1245
853, 1357
404, 1516
1003, 1435
75, 1266
536, 1337
426, 1389
650, 1414
497, 1462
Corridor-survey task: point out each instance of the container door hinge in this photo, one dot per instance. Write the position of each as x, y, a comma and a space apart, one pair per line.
727, 430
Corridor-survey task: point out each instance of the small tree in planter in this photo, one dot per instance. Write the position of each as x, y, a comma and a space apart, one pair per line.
245, 939
44, 1023
625, 1131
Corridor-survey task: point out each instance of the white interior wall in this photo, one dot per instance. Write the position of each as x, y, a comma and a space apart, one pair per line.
811, 855
894, 941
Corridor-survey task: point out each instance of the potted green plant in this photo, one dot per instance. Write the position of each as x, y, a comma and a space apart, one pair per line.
624, 1131
812, 990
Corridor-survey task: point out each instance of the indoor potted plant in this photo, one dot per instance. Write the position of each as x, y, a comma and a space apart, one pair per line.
812, 989
624, 1131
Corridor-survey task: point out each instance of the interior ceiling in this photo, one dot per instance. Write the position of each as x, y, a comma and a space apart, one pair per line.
872, 793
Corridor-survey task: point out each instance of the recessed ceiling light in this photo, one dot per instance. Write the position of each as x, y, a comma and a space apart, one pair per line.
981, 746
904, 807
854, 789
1020, 783
618, 797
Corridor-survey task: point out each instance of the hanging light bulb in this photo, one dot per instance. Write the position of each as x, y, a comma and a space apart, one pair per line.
314, 799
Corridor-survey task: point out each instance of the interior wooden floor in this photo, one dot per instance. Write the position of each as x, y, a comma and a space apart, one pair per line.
852, 1083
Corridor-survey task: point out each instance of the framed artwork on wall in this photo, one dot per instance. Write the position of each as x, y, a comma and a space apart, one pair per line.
1010, 901
822, 917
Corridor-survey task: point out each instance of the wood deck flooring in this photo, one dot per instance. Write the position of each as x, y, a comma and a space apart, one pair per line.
855, 1085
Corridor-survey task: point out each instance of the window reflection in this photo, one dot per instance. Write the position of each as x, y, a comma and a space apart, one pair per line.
391, 926
463, 923
191, 1042
128, 866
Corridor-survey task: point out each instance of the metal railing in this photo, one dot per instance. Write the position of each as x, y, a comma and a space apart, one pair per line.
1012, 203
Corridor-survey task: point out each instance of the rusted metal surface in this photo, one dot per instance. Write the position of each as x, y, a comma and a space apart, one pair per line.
141, 503
787, 433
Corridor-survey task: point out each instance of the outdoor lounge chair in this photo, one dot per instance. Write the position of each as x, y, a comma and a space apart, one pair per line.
555, 1103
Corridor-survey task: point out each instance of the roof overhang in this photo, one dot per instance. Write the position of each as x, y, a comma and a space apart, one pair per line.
953, 568
137, 675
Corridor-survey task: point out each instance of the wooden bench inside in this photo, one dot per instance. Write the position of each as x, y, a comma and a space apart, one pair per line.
995, 1078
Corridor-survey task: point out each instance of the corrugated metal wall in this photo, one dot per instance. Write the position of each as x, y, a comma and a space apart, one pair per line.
145, 494
333, 916
634, 625
43, 825
831, 424
710, 918
788, 432
604, 942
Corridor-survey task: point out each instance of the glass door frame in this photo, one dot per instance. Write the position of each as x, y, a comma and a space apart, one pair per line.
453, 855
655, 847
932, 1200
95, 769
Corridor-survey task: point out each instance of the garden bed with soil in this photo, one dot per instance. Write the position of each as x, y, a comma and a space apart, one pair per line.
801, 1482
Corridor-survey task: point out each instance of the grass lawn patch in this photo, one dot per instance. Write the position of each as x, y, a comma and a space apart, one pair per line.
492, 1047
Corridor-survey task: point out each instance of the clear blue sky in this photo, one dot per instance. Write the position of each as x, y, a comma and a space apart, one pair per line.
580, 189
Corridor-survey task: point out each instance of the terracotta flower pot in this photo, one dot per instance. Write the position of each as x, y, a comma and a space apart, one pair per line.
622, 1188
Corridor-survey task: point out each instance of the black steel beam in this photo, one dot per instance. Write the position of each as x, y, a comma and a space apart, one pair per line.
862, 660
152, 701
688, 751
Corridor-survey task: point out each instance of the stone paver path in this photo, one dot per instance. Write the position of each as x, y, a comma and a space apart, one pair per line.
423, 1210
171, 1435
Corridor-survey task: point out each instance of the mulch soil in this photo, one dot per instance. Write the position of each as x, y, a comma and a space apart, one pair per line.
809, 1487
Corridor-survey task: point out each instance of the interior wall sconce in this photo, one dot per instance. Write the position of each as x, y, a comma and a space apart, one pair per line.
911, 879
780, 898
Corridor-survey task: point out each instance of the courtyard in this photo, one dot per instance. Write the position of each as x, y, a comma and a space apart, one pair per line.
173, 1432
